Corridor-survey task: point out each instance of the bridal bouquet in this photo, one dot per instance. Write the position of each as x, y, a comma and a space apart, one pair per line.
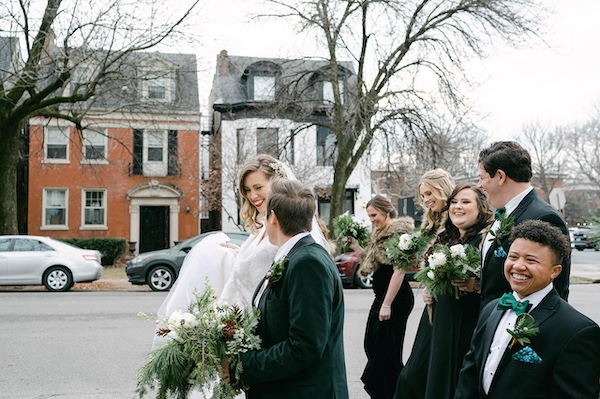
347, 225
406, 250
198, 341
458, 262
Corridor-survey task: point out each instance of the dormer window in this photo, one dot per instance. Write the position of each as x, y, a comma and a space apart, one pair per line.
323, 83
261, 81
157, 80
264, 88
328, 97
157, 88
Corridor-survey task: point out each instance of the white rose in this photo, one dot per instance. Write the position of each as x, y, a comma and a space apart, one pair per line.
436, 259
458, 250
431, 275
185, 320
404, 242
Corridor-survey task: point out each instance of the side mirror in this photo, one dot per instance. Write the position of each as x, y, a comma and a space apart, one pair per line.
186, 249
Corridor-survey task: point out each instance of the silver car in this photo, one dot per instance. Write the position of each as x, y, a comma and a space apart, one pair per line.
33, 260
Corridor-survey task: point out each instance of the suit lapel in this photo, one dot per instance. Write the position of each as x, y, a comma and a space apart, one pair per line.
490, 331
517, 214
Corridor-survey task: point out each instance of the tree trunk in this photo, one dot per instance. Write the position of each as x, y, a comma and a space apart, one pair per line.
9, 159
338, 194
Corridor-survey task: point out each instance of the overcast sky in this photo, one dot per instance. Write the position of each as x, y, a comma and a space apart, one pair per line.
558, 84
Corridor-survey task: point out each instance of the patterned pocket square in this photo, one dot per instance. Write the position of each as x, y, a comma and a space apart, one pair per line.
527, 355
500, 253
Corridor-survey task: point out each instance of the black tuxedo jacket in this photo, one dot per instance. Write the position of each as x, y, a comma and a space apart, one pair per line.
301, 324
568, 344
493, 282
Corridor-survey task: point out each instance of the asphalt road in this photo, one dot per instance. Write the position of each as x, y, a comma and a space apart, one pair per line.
89, 345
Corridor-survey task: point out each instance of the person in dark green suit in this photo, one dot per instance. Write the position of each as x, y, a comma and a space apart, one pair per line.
301, 303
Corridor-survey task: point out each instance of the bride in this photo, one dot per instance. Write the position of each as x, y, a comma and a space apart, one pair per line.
234, 273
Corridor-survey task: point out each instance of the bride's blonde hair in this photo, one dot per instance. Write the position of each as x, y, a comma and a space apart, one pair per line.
248, 213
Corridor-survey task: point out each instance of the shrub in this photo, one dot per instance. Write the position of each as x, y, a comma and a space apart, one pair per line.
110, 248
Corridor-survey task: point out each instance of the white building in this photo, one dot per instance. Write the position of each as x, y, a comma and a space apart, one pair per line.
279, 107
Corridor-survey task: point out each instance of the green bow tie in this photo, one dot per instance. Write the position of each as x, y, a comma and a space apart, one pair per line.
499, 212
508, 301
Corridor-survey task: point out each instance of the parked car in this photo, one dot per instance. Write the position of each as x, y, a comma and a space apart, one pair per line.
348, 264
582, 237
34, 260
159, 269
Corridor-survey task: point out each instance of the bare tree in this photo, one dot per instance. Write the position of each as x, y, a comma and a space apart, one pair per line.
583, 145
44, 82
547, 148
400, 48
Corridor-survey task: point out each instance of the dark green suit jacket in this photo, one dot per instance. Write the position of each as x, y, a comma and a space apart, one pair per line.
301, 324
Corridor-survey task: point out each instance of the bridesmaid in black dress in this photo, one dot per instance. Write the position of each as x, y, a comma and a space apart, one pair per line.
434, 189
386, 324
454, 319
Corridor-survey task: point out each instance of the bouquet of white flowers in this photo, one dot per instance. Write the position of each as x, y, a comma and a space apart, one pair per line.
406, 250
347, 225
198, 342
458, 262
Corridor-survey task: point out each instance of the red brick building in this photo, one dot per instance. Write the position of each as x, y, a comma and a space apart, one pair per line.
129, 174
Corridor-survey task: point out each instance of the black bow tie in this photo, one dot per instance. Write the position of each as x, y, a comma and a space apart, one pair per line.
499, 212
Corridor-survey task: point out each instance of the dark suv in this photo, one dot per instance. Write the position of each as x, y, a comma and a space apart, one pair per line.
582, 237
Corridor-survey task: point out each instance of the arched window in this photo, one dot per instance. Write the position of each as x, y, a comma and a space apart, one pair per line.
261, 81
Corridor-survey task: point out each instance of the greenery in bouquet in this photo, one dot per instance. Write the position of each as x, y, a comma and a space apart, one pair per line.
405, 250
347, 225
458, 262
198, 341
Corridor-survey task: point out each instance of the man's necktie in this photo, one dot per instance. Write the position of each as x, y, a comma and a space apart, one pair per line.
508, 301
499, 212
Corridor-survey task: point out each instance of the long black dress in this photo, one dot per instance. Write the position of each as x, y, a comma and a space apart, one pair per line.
384, 340
437, 355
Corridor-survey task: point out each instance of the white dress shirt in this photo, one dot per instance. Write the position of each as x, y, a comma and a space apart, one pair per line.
502, 338
281, 253
510, 207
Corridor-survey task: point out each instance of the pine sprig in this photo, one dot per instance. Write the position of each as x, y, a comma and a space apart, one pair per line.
525, 329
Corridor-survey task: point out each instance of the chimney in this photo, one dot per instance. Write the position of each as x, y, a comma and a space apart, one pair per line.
223, 63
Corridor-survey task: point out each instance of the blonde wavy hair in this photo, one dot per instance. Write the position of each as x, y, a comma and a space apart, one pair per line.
248, 213
444, 182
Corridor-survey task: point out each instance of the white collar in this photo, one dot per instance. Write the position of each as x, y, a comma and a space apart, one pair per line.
288, 245
515, 201
536, 297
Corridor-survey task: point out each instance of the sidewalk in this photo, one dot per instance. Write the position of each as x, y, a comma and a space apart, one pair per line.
580, 274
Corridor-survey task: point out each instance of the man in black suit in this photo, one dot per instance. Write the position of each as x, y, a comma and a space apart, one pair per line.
561, 360
504, 174
301, 302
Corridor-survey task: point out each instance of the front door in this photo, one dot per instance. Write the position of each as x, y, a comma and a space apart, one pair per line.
154, 228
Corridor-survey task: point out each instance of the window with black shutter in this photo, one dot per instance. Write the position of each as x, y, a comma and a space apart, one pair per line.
138, 148
172, 151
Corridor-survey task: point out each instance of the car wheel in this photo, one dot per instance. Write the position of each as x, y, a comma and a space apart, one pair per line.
579, 248
58, 279
161, 278
363, 281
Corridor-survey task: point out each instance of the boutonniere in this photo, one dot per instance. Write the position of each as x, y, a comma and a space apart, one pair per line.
525, 328
277, 269
507, 223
